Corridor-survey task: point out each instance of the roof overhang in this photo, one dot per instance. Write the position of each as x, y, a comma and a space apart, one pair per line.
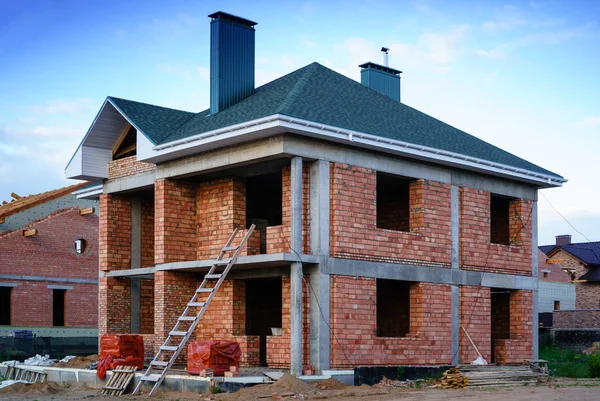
277, 124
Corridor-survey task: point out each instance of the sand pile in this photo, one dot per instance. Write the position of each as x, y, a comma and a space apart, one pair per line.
79, 362
286, 385
35, 388
329, 384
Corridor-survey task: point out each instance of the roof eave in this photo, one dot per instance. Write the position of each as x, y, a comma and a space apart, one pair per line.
279, 123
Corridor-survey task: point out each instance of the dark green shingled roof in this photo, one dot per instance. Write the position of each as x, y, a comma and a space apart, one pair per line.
318, 94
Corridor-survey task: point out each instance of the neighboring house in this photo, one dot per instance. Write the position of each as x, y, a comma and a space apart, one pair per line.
49, 263
380, 229
556, 290
582, 262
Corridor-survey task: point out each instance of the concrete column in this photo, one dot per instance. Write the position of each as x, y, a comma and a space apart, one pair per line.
136, 261
319, 282
455, 264
296, 268
319, 208
534, 273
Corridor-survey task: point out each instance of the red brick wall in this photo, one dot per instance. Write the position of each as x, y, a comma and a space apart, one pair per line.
147, 233
278, 347
174, 221
114, 306
51, 253
354, 323
147, 306
115, 232
519, 346
477, 252
354, 232
128, 166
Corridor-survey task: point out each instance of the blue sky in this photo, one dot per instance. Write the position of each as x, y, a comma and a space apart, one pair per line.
521, 75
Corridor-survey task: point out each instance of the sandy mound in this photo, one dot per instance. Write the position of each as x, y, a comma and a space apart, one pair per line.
287, 384
329, 384
35, 388
79, 362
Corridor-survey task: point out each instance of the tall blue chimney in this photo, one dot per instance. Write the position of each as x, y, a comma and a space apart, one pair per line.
231, 60
381, 78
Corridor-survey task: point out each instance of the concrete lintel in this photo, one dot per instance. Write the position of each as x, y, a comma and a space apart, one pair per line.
51, 279
59, 287
10, 285
131, 183
266, 260
228, 157
438, 275
319, 208
279, 271
139, 272
314, 149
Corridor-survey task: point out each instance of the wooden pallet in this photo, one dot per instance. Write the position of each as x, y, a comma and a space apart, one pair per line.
14, 372
120, 379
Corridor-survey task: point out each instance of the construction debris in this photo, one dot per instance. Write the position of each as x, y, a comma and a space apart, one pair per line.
490, 376
452, 378
385, 382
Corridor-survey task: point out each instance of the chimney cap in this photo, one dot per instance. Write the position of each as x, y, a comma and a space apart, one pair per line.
370, 64
233, 18
564, 239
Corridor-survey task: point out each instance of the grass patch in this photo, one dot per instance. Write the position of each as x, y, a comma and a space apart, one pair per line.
566, 363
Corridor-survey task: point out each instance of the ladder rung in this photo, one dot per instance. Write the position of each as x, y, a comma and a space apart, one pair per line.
168, 348
222, 262
186, 318
230, 248
197, 304
150, 378
178, 333
204, 290
212, 276
159, 363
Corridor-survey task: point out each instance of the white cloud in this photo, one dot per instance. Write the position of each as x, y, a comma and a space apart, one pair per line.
497, 53
204, 72
590, 121
507, 18
71, 106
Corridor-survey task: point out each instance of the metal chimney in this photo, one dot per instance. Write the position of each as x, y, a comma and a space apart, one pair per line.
381, 78
231, 60
386, 56
563, 239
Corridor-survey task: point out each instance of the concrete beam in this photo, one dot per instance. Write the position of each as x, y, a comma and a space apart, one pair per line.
313, 149
59, 287
45, 278
296, 274
253, 261
319, 208
426, 274
231, 156
128, 184
135, 296
535, 273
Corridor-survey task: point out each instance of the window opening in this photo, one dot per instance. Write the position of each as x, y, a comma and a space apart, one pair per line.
5, 305
58, 307
393, 202
393, 308
263, 204
263, 310
80, 246
499, 220
500, 316
556, 305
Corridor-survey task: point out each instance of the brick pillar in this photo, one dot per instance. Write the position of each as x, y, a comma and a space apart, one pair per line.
475, 311
114, 315
172, 292
114, 233
175, 235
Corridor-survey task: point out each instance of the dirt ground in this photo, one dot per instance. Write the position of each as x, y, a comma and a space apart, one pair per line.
291, 389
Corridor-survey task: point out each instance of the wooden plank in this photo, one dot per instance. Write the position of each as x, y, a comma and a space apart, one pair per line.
87, 210
553, 261
2, 220
15, 196
121, 139
29, 233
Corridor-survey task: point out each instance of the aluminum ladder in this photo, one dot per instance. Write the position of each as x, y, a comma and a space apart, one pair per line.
179, 336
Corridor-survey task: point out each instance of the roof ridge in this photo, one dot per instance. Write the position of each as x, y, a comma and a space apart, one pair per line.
29, 201
298, 87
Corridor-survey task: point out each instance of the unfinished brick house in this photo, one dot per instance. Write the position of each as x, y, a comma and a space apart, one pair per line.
49, 264
381, 230
582, 262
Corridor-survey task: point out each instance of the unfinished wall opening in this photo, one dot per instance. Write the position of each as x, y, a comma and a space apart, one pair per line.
263, 204
58, 307
556, 305
393, 202
5, 302
500, 316
393, 308
499, 219
263, 310
126, 145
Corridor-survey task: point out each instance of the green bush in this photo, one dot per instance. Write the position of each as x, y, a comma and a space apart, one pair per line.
594, 365
566, 363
